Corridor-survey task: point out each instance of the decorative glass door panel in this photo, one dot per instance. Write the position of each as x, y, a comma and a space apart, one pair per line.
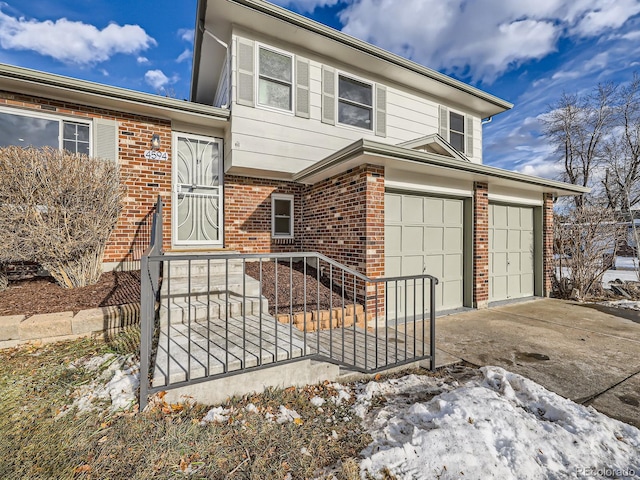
197, 185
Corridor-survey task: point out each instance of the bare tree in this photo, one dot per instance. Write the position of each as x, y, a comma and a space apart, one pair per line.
576, 126
586, 240
58, 209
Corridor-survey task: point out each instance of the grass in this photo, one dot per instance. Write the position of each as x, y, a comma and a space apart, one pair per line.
166, 442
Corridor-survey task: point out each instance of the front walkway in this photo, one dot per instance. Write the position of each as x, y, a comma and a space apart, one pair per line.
575, 350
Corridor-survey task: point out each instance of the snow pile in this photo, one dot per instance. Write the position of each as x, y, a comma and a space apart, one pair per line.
285, 415
117, 383
344, 394
627, 304
317, 401
505, 426
216, 415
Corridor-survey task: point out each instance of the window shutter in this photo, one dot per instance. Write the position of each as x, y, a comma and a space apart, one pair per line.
469, 136
443, 128
105, 139
246, 67
381, 110
302, 87
328, 95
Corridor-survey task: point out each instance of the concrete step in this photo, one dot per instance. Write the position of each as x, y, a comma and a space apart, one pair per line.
201, 350
180, 268
182, 311
236, 283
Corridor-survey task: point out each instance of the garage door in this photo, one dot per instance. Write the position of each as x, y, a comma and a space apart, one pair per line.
424, 235
511, 252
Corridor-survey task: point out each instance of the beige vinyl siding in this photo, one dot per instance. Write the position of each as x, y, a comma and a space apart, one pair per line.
265, 139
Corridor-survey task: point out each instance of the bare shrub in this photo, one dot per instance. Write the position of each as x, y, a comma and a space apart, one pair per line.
58, 209
586, 239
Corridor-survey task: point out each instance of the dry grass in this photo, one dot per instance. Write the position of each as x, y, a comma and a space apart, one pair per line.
166, 442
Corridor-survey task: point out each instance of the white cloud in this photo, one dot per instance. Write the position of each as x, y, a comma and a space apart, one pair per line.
306, 5
481, 40
142, 60
158, 80
72, 42
186, 55
186, 34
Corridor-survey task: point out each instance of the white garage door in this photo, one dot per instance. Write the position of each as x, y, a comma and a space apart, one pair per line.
424, 235
511, 252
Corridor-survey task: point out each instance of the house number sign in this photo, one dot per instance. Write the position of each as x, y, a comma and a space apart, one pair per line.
155, 155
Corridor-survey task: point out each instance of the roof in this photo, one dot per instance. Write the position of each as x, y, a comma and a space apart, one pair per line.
263, 17
376, 153
33, 82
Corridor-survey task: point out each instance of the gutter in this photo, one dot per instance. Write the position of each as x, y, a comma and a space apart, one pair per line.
35, 77
368, 147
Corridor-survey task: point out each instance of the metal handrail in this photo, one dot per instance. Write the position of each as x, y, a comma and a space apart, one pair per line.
372, 341
320, 256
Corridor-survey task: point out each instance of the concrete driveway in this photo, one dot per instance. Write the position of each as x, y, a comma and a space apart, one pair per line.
580, 352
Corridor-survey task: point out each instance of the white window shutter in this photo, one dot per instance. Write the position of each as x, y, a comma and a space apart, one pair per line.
246, 69
443, 124
105, 139
469, 136
328, 95
302, 87
381, 110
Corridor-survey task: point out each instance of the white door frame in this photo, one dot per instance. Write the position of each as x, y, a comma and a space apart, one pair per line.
175, 191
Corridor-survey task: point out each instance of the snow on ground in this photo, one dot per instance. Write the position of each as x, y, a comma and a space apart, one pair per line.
502, 426
627, 304
624, 275
117, 384
496, 425
630, 263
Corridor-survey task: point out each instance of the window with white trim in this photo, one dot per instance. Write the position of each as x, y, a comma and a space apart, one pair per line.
281, 216
355, 102
25, 130
275, 79
456, 131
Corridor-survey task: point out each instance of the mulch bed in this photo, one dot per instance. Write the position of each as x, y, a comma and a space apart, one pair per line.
295, 296
43, 295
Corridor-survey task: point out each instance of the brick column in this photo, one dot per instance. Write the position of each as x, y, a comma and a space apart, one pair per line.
547, 243
374, 227
481, 245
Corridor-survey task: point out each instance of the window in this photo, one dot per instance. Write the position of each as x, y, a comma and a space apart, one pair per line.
281, 216
75, 137
275, 74
355, 103
30, 131
456, 131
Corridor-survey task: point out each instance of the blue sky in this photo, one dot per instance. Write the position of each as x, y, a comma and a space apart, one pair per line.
527, 52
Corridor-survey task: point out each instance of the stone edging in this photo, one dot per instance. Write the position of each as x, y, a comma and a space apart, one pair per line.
326, 319
54, 327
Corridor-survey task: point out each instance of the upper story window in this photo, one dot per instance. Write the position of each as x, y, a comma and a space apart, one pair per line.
17, 129
456, 131
275, 78
355, 102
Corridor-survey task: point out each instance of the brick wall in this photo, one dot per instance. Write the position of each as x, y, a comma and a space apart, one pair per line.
481, 245
547, 243
343, 218
145, 179
247, 210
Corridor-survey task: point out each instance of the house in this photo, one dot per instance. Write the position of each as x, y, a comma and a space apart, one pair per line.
301, 138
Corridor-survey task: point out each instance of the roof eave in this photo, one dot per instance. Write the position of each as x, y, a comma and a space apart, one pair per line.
97, 94
368, 147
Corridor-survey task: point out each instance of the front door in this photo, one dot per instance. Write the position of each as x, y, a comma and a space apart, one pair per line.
197, 190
